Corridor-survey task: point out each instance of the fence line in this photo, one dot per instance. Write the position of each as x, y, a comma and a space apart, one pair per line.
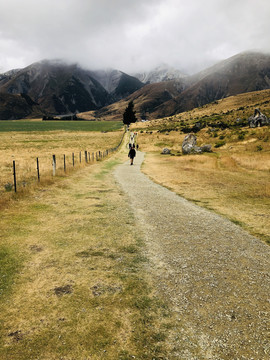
98, 156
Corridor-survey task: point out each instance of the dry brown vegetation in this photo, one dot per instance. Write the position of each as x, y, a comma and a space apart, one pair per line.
233, 180
25, 147
72, 277
227, 110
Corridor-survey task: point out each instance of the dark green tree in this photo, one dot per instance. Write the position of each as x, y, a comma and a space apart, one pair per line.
129, 114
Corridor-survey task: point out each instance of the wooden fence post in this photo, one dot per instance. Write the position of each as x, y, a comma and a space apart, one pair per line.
85, 155
64, 163
14, 176
73, 160
54, 165
93, 156
38, 176
80, 157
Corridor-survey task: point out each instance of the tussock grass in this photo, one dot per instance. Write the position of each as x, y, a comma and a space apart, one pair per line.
233, 180
226, 110
77, 281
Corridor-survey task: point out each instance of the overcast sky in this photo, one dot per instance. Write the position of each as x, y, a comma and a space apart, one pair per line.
131, 35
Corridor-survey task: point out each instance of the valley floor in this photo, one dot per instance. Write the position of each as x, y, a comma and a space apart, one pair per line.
106, 264
214, 275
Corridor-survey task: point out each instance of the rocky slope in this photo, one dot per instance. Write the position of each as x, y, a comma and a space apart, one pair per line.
147, 100
159, 74
59, 88
239, 74
118, 84
14, 107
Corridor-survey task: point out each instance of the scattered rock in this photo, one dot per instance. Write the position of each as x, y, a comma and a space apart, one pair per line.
189, 146
16, 335
206, 148
36, 248
63, 290
166, 151
258, 119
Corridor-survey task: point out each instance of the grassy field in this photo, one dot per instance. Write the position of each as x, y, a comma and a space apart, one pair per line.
31, 125
73, 275
25, 146
74, 279
234, 180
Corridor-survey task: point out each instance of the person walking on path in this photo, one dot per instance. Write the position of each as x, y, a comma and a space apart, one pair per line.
132, 154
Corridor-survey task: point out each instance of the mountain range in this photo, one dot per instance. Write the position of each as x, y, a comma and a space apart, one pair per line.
245, 72
54, 87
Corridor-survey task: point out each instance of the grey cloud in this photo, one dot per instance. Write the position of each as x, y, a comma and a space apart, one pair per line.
131, 35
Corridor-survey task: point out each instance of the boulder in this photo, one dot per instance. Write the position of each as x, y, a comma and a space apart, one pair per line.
206, 148
258, 119
166, 151
189, 146
189, 143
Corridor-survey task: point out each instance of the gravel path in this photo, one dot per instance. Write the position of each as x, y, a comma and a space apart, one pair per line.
213, 273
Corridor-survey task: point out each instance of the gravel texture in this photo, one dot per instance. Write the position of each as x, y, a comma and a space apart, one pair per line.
214, 275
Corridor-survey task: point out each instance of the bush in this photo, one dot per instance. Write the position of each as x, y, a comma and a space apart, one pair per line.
8, 186
241, 136
219, 144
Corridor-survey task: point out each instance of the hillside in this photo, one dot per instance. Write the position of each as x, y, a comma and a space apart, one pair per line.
146, 100
60, 88
231, 111
14, 107
118, 84
160, 73
242, 73
246, 72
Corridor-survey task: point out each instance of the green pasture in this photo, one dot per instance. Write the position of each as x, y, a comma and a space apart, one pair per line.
27, 125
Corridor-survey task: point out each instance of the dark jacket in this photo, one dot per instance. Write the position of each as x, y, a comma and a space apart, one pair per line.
132, 153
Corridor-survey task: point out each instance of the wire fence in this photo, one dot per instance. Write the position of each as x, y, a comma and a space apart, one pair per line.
60, 165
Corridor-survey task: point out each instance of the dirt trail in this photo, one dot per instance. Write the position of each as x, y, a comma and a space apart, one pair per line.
214, 274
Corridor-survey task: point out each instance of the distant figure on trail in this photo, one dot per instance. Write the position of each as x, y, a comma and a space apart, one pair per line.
132, 154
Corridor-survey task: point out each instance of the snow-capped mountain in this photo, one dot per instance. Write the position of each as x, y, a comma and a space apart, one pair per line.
159, 74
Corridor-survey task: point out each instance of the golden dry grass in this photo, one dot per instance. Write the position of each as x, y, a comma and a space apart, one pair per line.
25, 147
233, 180
240, 106
78, 287
228, 110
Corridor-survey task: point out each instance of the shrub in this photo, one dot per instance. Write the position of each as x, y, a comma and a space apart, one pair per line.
8, 186
219, 144
241, 136
259, 148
